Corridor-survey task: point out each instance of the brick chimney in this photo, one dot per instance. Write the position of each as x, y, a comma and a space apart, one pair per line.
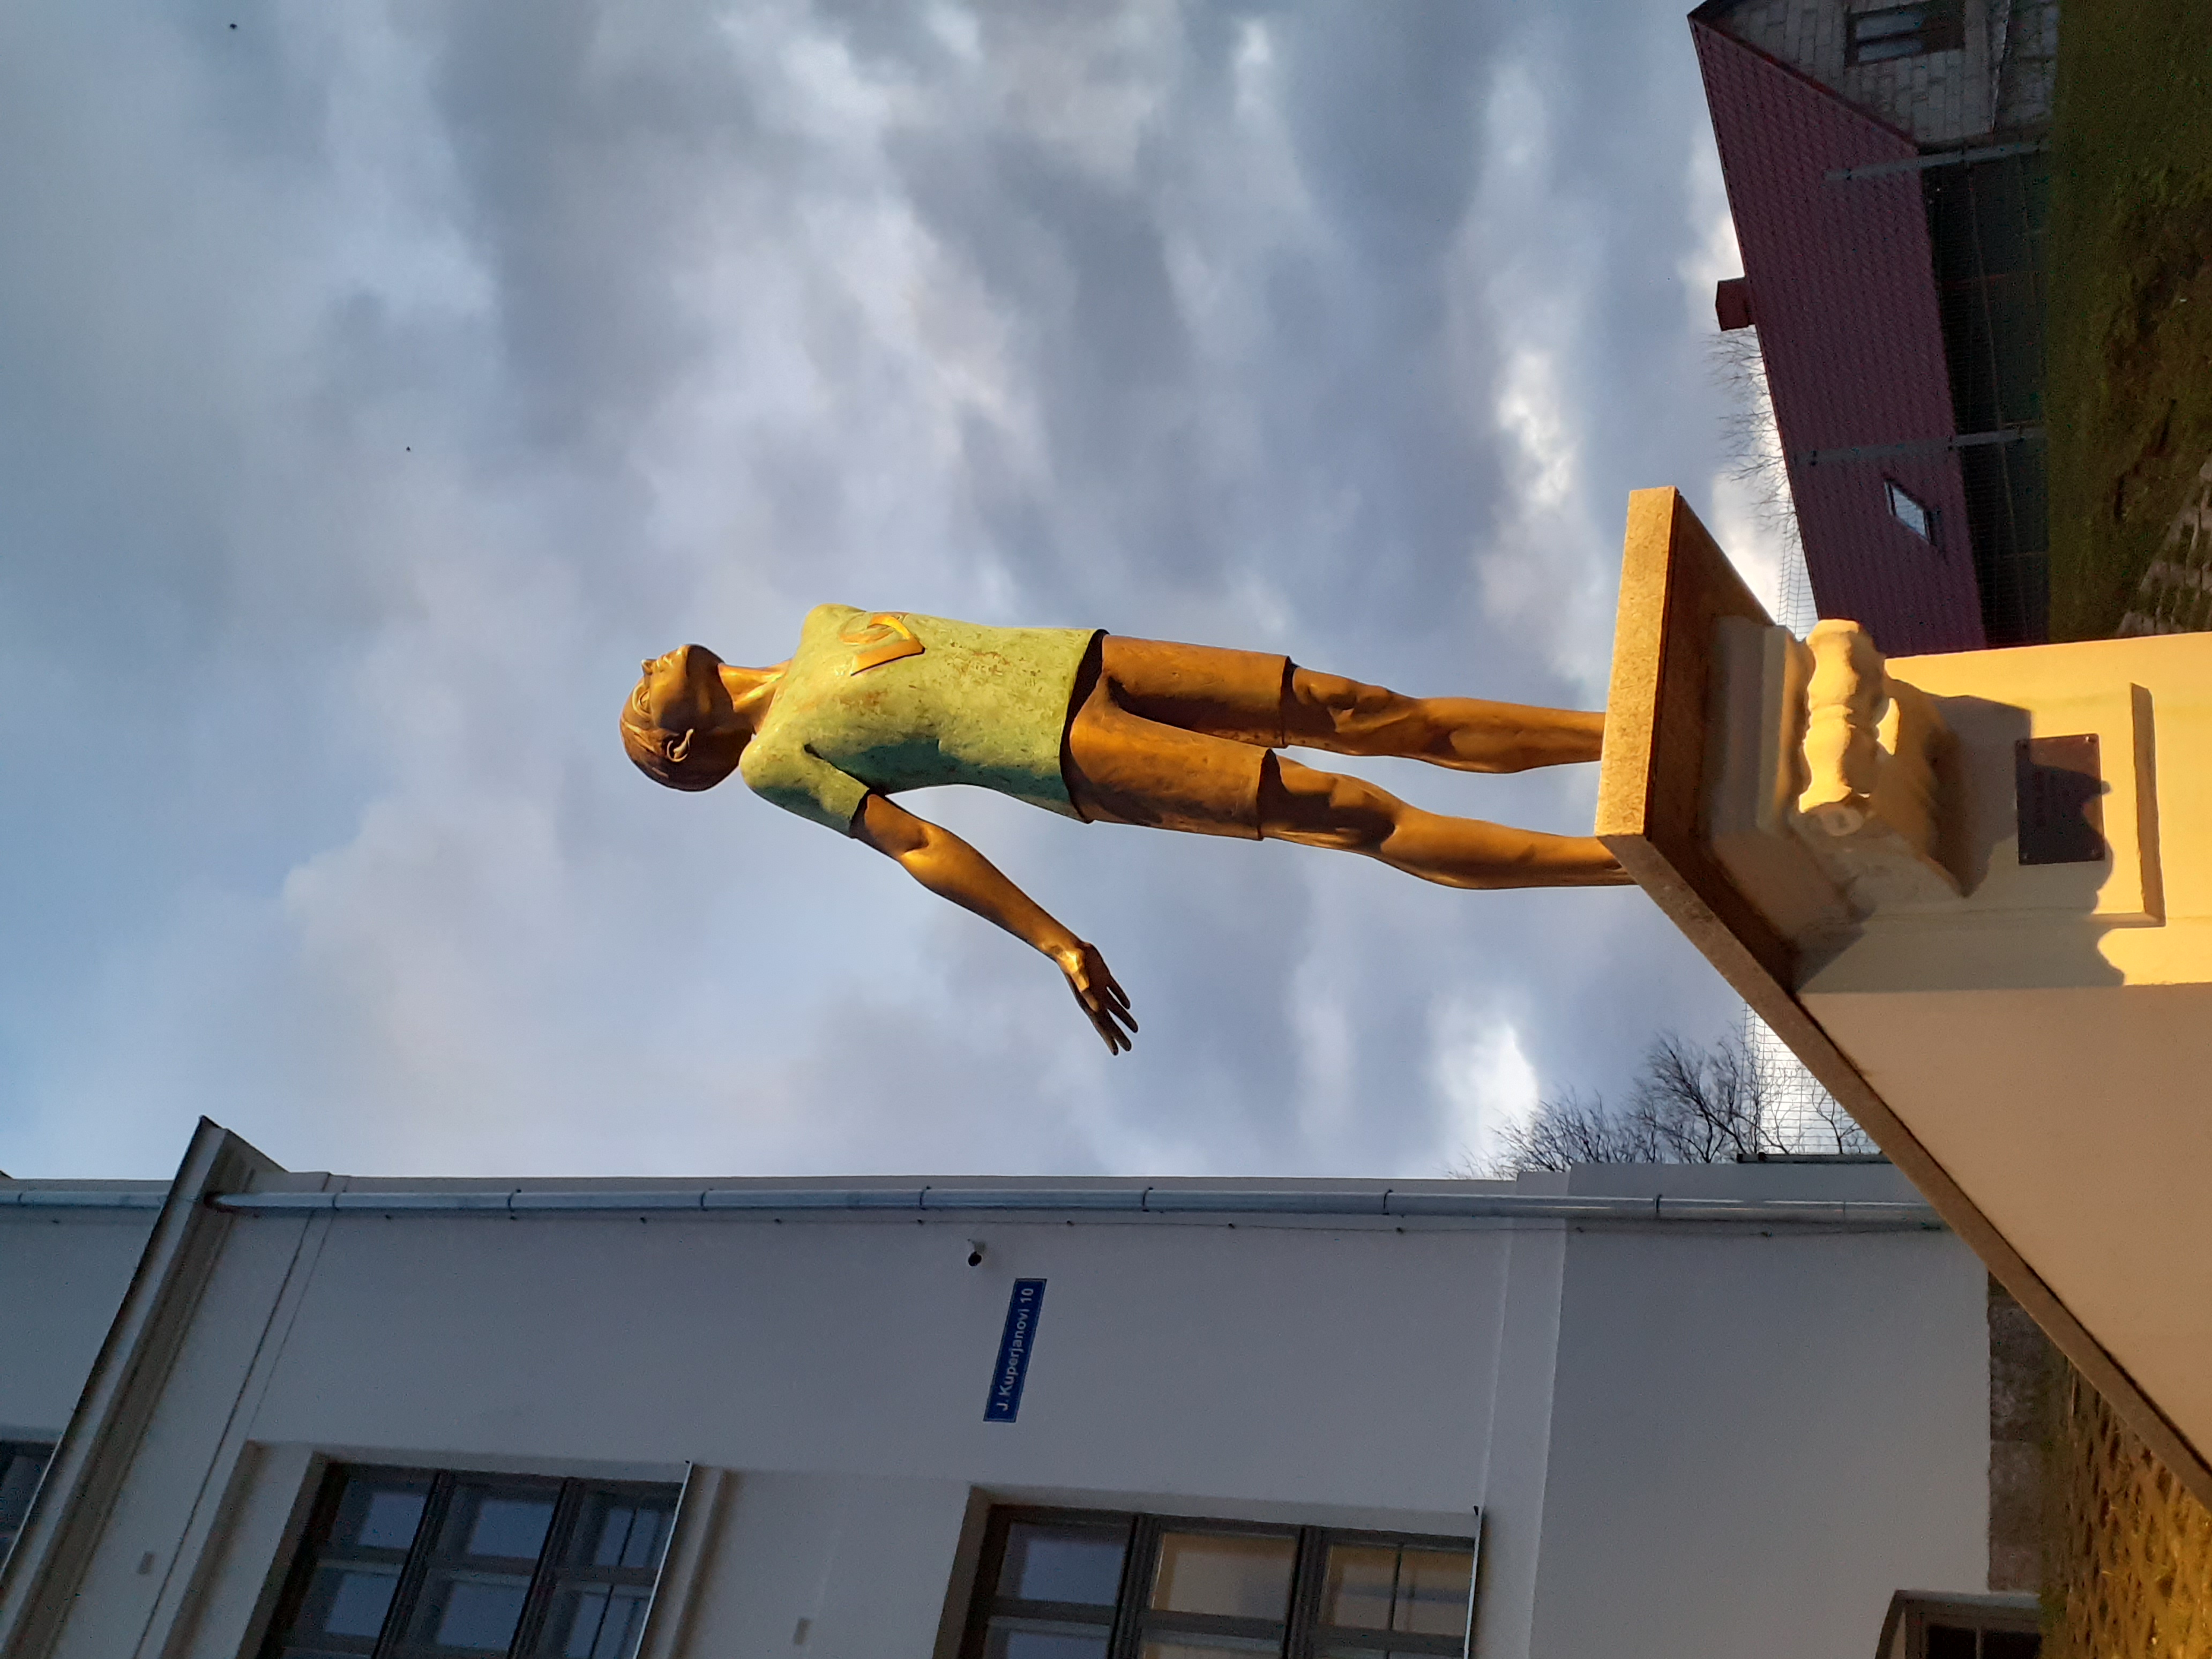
1732, 303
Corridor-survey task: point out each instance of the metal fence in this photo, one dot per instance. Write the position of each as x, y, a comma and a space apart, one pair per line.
1798, 1113
1988, 223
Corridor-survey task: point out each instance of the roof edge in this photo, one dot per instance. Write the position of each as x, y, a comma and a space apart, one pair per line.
1698, 20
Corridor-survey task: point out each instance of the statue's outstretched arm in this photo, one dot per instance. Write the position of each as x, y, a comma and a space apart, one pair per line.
951, 868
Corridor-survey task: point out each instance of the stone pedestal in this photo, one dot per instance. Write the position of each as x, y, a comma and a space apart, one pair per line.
1974, 893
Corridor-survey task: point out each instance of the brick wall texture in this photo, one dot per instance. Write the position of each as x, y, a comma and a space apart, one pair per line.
2128, 1560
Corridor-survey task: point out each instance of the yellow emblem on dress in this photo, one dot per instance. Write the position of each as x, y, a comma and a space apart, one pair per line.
883, 637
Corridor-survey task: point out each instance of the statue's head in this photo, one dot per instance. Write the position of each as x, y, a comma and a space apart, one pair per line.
680, 726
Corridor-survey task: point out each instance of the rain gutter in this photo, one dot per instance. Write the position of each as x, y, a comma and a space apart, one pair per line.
736, 1203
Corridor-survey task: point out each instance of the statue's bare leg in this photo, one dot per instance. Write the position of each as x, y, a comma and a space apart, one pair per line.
1327, 711
1320, 809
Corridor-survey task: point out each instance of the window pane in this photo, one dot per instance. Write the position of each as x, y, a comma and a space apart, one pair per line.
349, 1601
1908, 511
1020, 1638
356, 1562
603, 1584
2010, 1644
1206, 1647
1950, 1642
499, 1529
621, 1531
21, 1465
387, 1521
1047, 1563
1242, 1577
600, 1623
1881, 25
470, 1612
1361, 1577
381, 1513
1433, 1587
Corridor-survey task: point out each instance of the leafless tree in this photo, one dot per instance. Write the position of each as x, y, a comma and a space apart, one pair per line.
1688, 1105
1748, 436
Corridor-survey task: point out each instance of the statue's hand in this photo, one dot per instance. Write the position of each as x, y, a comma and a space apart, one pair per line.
1103, 1001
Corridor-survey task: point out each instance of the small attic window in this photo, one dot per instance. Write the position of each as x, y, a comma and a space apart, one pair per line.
1908, 31
1910, 510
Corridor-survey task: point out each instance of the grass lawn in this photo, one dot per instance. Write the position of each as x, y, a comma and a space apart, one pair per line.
2129, 396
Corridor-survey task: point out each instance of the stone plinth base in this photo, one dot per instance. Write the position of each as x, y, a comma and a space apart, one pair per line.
1973, 893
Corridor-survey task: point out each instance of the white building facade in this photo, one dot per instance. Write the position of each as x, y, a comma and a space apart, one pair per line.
1676, 1411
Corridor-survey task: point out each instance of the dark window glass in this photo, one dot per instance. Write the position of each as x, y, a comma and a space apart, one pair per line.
2010, 1644
1908, 510
1050, 1586
1227, 1574
1950, 1642
1081, 1564
23, 1462
1392, 1588
1906, 31
603, 1582
1011, 1640
1073, 1586
371, 1521
415, 1564
389, 1517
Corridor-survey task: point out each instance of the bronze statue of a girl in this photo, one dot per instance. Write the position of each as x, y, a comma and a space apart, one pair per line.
1100, 727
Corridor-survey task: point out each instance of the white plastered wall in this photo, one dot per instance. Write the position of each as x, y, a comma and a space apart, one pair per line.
62, 1277
1625, 1407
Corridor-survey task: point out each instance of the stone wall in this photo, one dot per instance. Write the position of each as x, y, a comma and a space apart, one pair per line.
2022, 1367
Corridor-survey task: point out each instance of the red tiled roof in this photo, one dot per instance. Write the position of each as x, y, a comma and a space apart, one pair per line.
1853, 341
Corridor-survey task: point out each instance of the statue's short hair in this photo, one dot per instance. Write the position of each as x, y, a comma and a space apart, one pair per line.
679, 760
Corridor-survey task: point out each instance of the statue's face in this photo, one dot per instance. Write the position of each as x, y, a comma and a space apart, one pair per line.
683, 691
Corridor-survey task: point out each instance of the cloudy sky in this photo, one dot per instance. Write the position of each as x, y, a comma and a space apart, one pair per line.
379, 383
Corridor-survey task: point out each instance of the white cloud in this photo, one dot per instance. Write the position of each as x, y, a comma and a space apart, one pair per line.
1484, 1079
387, 381
1522, 259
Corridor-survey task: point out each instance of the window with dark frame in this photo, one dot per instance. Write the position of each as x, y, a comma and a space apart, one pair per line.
1907, 30
1909, 510
1940, 1641
432, 1564
1083, 1584
1965, 1626
22, 1464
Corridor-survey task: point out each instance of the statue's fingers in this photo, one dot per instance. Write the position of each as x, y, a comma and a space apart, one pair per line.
1109, 985
1116, 1038
1086, 1000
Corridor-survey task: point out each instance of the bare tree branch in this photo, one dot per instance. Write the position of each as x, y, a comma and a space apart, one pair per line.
1688, 1105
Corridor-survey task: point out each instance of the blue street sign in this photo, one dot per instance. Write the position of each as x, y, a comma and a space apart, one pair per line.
1013, 1366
